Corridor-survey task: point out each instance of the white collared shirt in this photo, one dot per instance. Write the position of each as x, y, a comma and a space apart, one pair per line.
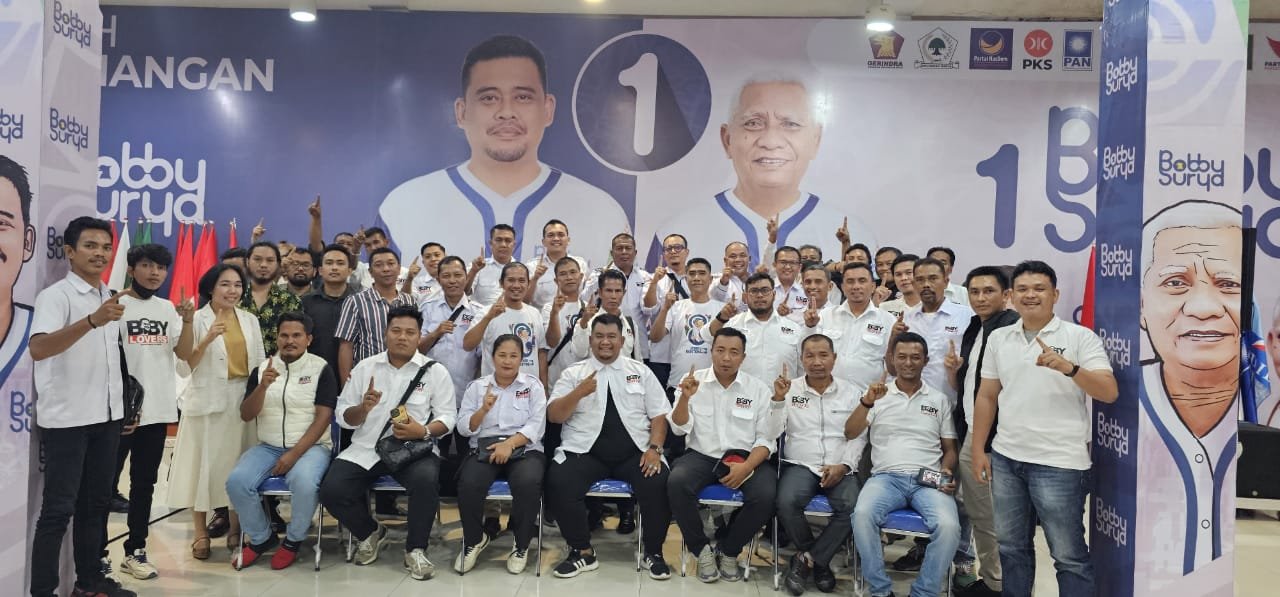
770, 344
906, 432
815, 426
897, 307
582, 344
689, 331
1044, 417
521, 408
526, 324
860, 342
794, 298
637, 395
723, 293
462, 364
940, 329
568, 355
957, 294
82, 384
432, 400
546, 288
660, 351
486, 288
424, 287
742, 416
632, 301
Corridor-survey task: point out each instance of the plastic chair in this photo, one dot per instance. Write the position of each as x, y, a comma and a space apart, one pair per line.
500, 491
908, 522
613, 488
716, 494
819, 507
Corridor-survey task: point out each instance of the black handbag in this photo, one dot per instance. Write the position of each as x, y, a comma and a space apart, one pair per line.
483, 453
133, 392
399, 453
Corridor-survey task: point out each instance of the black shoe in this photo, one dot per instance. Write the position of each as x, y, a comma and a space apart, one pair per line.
797, 571
119, 504
658, 568
626, 522
910, 562
977, 589
219, 525
492, 527
102, 587
824, 578
576, 564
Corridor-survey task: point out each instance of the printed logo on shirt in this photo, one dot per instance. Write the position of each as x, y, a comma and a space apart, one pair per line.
931, 411
875, 328
147, 332
420, 387
467, 318
525, 332
693, 331
800, 401
951, 329
522, 393
742, 402
633, 378
1062, 350
786, 330
304, 380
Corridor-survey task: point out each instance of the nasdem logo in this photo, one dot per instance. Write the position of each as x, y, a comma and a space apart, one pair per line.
11, 126
68, 24
1191, 171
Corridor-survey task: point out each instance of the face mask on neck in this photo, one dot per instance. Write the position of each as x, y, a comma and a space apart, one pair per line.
143, 293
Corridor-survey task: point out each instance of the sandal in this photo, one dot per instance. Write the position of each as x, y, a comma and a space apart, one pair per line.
197, 551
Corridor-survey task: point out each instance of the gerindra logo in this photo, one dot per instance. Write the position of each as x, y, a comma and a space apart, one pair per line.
66, 128
68, 24
164, 189
10, 126
1191, 171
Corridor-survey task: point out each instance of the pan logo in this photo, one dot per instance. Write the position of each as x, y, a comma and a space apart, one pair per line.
937, 50
990, 49
1077, 50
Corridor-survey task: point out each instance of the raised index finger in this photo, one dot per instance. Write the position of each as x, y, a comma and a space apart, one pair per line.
884, 376
1044, 347
371, 384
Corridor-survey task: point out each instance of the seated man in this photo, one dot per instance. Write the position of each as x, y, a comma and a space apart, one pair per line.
364, 408
293, 433
613, 412
816, 455
722, 409
910, 430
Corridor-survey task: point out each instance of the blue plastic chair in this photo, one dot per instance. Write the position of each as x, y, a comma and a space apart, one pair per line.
716, 494
908, 522
820, 507
614, 488
500, 491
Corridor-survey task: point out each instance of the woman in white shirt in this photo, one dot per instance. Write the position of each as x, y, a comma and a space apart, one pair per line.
504, 414
210, 433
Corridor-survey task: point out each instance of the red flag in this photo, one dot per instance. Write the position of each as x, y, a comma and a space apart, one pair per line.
1086, 313
115, 246
231, 242
207, 252
182, 283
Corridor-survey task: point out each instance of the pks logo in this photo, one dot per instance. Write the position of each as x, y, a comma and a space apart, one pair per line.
11, 127
147, 332
68, 24
885, 48
937, 51
1038, 44
527, 341
1274, 63
142, 179
68, 130
1191, 171
930, 411
1077, 50
990, 49
1122, 75
1119, 162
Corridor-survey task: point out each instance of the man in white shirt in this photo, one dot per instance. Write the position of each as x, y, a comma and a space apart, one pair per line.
555, 246
955, 292
939, 321
376, 386
504, 108
789, 297
483, 280
903, 271
909, 428
612, 287
732, 421
688, 322
773, 342
75, 343
817, 457
669, 277
446, 319
421, 280
622, 254
1041, 373
510, 315
817, 288
613, 412
733, 278
561, 317
372, 239
859, 329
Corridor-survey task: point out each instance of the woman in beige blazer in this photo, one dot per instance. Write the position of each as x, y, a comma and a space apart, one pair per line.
210, 433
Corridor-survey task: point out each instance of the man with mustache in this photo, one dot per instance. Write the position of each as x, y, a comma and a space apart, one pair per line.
504, 108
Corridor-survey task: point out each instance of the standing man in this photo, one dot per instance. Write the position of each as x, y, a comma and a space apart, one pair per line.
446, 318
612, 288
364, 315
483, 280
666, 278
555, 245
1041, 373
886, 289
504, 108
688, 322
265, 300
623, 255
421, 281
773, 342
732, 424
511, 316
300, 271
817, 288
733, 279
789, 297
324, 304
75, 343
955, 292
561, 316
903, 271
859, 329
939, 321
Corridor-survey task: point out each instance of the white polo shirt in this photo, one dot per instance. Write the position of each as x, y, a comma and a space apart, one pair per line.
545, 288
660, 351
957, 294
742, 416
815, 426
521, 408
432, 400
568, 355
1044, 415
632, 301
770, 344
582, 337
637, 395
940, 329
906, 432
860, 342
689, 332
897, 307
462, 363
724, 292
150, 330
525, 323
423, 287
81, 385
486, 287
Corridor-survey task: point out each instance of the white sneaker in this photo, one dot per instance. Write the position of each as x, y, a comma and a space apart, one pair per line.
708, 571
469, 555
368, 548
137, 565
518, 559
419, 567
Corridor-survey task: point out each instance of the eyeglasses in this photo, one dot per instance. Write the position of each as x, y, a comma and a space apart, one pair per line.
759, 291
674, 248
789, 262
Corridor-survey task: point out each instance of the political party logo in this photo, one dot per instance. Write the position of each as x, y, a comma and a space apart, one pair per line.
11, 125
68, 24
693, 329
159, 189
1037, 44
1077, 50
885, 48
1191, 171
990, 49
67, 129
524, 332
1273, 64
937, 50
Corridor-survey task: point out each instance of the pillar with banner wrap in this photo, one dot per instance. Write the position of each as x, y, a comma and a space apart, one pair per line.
1171, 140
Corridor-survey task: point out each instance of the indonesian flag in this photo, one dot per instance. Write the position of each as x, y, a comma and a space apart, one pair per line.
119, 268
231, 242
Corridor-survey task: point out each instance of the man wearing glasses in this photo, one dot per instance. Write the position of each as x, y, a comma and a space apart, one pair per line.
773, 341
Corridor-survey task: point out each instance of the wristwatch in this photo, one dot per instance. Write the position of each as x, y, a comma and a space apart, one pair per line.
719, 319
1074, 370
656, 448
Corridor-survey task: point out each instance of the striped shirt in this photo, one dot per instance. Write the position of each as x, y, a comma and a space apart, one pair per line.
363, 322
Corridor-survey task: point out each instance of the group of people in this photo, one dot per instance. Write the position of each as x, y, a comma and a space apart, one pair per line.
871, 379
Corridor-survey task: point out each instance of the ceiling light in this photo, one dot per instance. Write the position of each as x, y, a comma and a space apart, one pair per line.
302, 10
880, 18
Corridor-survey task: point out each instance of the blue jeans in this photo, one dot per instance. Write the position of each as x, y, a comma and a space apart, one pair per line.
886, 492
303, 479
1024, 492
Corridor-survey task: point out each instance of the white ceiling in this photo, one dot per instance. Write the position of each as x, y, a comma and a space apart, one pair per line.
954, 9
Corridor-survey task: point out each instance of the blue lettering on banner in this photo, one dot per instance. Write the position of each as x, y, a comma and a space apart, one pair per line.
143, 178
11, 126
20, 412
1191, 171
67, 129
68, 24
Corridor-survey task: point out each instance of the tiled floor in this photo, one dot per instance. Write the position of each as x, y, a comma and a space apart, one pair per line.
1257, 542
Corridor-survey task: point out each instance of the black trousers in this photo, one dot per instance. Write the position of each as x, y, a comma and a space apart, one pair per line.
693, 472
345, 493
567, 485
78, 466
144, 449
525, 477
